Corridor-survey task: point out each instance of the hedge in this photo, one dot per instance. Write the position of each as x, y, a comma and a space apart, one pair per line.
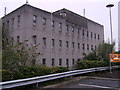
90, 64
29, 71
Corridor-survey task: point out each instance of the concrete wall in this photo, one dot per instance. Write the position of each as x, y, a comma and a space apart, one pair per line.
26, 30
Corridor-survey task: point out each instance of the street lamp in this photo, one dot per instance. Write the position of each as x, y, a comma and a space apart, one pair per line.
109, 6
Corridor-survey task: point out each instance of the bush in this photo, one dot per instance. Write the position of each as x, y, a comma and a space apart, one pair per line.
90, 64
29, 71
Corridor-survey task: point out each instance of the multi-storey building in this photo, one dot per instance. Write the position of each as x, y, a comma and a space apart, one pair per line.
63, 35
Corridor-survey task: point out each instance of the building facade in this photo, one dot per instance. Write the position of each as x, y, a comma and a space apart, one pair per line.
63, 35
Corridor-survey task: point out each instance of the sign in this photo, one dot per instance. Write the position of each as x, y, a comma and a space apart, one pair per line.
114, 57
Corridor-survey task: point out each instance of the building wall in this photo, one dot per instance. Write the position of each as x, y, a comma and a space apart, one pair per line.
32, 28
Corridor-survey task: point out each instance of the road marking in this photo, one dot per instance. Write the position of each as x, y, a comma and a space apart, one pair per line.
94, 86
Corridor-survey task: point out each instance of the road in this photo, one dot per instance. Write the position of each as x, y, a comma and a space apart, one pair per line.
94, 83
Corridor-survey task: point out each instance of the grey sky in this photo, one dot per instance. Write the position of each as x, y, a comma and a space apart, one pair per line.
95, 10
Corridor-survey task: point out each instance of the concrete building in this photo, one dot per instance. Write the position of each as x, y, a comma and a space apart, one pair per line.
63, 35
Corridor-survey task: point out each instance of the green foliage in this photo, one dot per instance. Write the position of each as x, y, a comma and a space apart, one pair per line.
90, 64
91, 56
29, 71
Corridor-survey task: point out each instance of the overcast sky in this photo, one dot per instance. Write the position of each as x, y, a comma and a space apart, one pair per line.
94, 9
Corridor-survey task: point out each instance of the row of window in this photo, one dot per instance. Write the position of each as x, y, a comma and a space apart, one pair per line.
60, 26
60, 62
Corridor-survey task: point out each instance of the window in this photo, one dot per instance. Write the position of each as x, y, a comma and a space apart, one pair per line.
60, 26
44, 41
87, 47
95, 36
67, 62
7, 25
66, 28
18, 19
72, 29
78, 45
67, 45
53, 62
3, 26
91, 35
34, 39
34, 19
73, 44
18, 37
98, 37
83, 46
52, 24
73, 61
91, 47
78, 31
87, 33
44, 62
60, 42
53, 42
95, 47
83, 32
12, 22
44, 22
60, 62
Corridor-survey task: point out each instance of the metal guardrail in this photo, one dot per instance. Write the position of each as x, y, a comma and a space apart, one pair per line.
36, 80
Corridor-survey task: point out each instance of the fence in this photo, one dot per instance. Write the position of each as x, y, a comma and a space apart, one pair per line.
36, 80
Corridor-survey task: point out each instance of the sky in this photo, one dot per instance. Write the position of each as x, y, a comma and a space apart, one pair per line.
94, 10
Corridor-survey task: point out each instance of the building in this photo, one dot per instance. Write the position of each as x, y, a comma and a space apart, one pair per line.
119, 25
63, 35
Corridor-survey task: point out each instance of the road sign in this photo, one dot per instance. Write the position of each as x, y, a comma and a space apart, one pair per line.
114, 57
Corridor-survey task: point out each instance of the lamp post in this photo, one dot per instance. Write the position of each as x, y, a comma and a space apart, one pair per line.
109, 6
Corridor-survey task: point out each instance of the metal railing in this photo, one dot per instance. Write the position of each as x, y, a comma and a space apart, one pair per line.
36, 80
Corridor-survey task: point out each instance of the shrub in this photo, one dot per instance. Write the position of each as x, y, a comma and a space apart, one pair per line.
90, 64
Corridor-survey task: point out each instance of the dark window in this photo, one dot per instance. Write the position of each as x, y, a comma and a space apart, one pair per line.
44, 41
34, 39
44, 62
53, 62
91, 47
60, 42
53, 42
34, 19
73, 61
67, 62
67, 45
3, 26
12, 22
73, 44
95, 36
78, 31
91, 35
18, 39
98, 37
95, 47
83, 46
83, 32
87, 47
87, 34
78, 45
18, 19
60, 62
8, 25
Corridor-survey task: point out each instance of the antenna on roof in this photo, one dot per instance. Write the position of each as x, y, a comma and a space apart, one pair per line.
5, 11
84, 12
26, 1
